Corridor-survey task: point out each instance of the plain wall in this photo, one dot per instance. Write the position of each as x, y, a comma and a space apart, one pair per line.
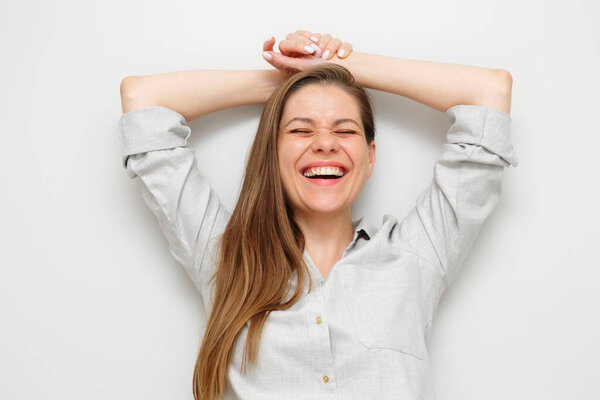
92, 304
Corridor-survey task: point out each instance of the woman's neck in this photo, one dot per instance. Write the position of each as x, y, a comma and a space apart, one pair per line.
326, 236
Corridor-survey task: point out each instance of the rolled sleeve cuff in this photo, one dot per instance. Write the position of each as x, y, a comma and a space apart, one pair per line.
151, 128
487, 127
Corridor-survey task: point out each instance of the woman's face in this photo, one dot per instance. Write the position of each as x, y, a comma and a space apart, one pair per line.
321, 126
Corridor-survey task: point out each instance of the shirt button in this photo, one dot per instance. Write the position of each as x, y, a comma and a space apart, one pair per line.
318, 320
325, 378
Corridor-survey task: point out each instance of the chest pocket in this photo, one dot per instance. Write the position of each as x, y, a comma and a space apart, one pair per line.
383, 308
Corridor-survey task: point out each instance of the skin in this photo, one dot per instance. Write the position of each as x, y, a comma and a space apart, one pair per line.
323, 212
199, 92
434, 84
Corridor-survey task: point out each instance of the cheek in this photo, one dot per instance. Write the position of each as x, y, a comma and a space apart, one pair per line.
359, 155
289, 154
283, 160
286, 167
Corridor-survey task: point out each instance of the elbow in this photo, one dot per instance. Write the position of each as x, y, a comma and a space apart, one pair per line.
128, 92
503, 82
499, 93
506, 83
496, 92
505, 77
126, 86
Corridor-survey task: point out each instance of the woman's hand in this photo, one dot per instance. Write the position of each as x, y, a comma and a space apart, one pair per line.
303, 49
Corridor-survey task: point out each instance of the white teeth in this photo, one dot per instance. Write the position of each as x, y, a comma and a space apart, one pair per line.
323, 171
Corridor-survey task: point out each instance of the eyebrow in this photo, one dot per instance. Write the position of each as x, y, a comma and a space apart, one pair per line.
311, 122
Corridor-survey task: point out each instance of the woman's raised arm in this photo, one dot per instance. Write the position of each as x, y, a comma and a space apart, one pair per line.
467, 176
198, 92
153, 135
435, 84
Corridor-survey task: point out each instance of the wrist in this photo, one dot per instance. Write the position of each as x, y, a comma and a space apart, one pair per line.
269, 79
358, 66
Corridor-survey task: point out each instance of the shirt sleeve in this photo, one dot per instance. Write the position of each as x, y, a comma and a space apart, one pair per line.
466, 186
154, 148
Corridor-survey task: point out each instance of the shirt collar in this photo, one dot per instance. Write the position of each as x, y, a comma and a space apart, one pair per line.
364, 224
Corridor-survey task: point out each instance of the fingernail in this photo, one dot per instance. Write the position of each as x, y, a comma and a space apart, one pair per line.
267, 56
269, 38
317, 48
314, 39
341, 53
326, 54
309, 49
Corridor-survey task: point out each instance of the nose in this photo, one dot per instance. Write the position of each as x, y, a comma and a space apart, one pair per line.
325, 141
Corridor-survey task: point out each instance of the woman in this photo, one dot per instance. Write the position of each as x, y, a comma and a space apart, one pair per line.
339, 308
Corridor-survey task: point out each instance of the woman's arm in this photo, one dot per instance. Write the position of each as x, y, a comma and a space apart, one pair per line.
435, 84
199, 92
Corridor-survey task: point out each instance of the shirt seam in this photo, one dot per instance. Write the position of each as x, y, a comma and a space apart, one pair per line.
191, 262
459, 188
416, 254
446, 262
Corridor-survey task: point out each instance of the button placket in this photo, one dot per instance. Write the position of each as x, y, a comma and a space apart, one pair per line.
316, 316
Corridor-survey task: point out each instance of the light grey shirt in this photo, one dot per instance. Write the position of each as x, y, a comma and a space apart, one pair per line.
362, 333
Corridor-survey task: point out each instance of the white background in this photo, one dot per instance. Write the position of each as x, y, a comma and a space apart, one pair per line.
92, 304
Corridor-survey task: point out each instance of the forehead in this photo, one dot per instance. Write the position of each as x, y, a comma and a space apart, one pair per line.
320, 103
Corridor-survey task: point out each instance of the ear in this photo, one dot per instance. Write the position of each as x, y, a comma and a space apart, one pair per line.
372, 158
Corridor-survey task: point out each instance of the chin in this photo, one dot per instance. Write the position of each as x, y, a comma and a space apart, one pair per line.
325, 208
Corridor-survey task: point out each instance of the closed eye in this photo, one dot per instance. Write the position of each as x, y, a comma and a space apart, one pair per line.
305, 131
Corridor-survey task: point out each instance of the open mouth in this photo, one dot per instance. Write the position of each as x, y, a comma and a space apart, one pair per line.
324, 176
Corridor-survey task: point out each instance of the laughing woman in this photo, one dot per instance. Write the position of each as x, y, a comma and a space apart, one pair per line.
321, 305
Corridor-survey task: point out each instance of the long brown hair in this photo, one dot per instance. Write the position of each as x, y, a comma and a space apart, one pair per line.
262, 246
